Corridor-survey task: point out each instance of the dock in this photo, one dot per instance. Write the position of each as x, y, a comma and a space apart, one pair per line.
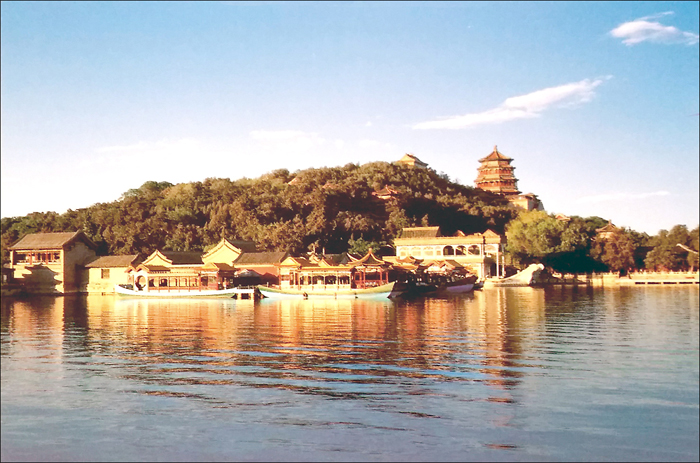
632, 279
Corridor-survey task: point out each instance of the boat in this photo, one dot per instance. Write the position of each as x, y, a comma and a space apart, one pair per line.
525, 277
389, 290
129, 291
457, 286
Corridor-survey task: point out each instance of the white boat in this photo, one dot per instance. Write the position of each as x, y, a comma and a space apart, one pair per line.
525, 277
128, 291
377, 292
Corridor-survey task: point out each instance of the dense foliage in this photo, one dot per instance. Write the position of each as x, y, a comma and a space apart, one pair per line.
573, 246
334, 210
329, 209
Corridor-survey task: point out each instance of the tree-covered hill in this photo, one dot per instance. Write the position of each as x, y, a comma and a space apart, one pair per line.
321, 208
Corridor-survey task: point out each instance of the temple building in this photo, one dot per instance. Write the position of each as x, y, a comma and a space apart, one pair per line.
334, 272
51, 262
228, 264
426, 247
607, 231
64, 263
496, 174
412, 160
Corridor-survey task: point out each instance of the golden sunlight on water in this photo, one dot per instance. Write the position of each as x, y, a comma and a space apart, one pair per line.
503, 373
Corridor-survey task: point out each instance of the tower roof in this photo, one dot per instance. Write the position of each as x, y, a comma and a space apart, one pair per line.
495, 156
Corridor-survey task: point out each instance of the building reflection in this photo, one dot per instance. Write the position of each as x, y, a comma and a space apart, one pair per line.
478, 338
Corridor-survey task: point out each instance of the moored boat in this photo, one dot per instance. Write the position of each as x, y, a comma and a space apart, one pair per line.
457, 286
389, 290
129, 291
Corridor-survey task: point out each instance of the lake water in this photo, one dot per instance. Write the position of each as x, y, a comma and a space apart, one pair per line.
554, 374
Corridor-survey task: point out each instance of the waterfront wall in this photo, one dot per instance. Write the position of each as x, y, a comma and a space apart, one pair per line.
614, 279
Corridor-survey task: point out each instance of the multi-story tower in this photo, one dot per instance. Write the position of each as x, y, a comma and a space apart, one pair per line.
496, 174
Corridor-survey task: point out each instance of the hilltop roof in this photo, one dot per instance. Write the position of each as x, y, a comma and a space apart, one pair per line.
496, 156
412, 160
51, 240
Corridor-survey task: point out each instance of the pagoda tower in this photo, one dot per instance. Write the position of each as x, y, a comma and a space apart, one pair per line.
496, 174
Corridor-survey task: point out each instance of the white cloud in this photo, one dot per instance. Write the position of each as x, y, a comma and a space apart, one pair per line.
617, 197
523, 106
646, 30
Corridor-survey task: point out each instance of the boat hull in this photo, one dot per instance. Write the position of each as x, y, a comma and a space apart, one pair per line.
208, 293
378, 292
457, 289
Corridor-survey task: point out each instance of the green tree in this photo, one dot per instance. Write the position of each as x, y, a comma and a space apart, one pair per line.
615, 251
667, 255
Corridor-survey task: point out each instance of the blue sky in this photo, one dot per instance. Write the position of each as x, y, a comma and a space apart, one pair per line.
596, 102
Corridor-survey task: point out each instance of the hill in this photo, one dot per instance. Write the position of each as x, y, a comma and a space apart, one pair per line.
323, 208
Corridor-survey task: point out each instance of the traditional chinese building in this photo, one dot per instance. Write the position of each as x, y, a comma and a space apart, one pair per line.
496, 174
334, 272
607, 231
101, 274
51, 262
479, 253
412, 160
224, 266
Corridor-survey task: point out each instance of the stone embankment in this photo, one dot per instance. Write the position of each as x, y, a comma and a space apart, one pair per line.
613, 279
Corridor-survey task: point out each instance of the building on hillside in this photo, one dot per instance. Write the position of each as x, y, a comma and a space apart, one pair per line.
496, 174
50, 263
412, 160
607, 231
101, 274
385, 193
479, 253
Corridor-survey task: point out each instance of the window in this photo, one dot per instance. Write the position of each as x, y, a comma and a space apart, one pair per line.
104, 273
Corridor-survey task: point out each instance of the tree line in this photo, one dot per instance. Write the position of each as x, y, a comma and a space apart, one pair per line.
333, 209
574, 246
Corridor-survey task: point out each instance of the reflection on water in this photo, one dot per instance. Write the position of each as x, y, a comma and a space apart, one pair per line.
505, 373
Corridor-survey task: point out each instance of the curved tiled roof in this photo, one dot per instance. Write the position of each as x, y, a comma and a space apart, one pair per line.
420, 232
495, 156
113, 261
51, 240
260, 258
183, 257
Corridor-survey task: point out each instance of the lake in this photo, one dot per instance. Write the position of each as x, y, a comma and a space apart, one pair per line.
555, 374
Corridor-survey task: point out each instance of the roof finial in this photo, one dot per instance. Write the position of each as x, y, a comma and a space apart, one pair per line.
495, 148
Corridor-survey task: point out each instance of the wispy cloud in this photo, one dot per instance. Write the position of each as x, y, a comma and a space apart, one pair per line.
617, 197
646, 29
522, 107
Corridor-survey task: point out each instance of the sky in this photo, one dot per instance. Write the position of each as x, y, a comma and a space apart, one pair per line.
596, 102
